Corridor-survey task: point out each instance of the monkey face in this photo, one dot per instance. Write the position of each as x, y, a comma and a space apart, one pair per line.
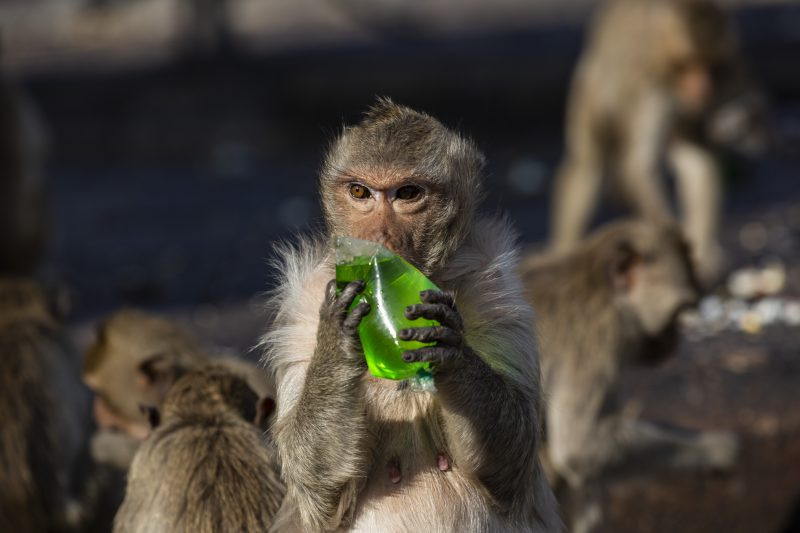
393, 208
401, 178
693, 87
131, 364
109, 418
662, 285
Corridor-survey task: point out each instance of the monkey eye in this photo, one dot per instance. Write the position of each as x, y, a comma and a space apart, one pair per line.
359, 192
408, 192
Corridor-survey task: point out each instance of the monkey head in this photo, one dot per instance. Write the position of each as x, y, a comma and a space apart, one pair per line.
402, 179
711, 84
653, 281
213, 391
702, 64
130, 367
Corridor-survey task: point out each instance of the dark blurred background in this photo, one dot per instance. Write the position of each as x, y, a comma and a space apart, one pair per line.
184, 138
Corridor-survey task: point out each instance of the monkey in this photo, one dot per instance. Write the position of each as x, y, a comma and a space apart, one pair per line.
133, 362
206, 466
613, 301
44, 413
365, 454
657, 80
24, 224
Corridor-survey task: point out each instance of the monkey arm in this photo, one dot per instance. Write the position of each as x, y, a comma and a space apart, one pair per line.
491, 428
489, 420
323, 443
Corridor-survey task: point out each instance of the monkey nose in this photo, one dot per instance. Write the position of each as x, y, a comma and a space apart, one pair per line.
384, 241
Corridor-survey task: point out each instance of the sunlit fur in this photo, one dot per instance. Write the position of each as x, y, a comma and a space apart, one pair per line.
611, 302
632, 106
336, 486
128, 338
206, 467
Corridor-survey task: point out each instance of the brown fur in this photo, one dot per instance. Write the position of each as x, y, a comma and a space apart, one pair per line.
206, 467
338, 429
612, 301
44, 412
658, 79
132, 363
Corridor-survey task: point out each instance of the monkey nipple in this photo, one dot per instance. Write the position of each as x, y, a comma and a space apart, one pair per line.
442, 461
393, 469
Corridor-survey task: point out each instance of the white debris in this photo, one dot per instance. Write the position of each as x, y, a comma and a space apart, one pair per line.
748, 283
772, 278
716, 314
769, 309
743, 283
753, 237
791, 313
711, 309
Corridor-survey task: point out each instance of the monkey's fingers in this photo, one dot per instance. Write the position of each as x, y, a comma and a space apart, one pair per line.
431, 296
352, 321
443, 335
438, 355
349, 293
445, 314
330, 291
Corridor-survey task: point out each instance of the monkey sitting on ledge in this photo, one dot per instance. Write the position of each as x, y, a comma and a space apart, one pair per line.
366, 454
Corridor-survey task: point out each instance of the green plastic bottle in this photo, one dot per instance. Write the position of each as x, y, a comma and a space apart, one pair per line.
392, 284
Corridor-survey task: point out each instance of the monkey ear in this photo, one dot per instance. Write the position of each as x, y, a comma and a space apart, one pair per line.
153, 415
156, 372
266, 406
623, 266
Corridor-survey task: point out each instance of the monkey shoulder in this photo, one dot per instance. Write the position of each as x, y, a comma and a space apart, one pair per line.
498, 321
302, 272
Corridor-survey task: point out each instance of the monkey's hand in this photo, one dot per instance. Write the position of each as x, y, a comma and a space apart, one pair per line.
324, 444
338, 329
489, 420
450, 349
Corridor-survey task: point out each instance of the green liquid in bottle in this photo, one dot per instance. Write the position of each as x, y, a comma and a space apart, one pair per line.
392, 284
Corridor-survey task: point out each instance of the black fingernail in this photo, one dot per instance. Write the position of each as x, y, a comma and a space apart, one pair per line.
408, 357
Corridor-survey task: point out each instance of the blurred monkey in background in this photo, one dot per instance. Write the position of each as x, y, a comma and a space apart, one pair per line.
23, 205
612, 301
658, 79
133, 362
45, 414
206, 467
